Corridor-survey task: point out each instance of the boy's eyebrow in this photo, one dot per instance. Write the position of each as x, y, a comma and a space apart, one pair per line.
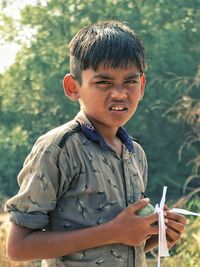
109, 77
133, 75
102, 76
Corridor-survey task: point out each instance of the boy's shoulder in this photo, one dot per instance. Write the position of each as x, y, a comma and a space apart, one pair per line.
59, 135
137, 146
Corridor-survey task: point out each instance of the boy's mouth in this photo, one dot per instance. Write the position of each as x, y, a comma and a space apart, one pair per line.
118, 107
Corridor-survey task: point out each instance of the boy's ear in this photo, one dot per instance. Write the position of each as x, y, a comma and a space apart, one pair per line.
70, 87
143, 83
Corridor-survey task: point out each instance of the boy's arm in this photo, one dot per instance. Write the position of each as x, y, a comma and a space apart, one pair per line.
127, 228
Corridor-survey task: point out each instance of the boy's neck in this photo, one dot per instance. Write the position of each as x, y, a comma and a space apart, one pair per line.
110, 137
109, 134
116, 145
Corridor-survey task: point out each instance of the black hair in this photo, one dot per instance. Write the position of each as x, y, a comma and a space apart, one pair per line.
111, 43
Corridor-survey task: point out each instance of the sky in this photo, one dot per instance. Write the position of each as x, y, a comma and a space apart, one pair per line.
9, 50
7, 55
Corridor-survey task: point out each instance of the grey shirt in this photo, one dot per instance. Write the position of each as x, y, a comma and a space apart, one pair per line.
72, 180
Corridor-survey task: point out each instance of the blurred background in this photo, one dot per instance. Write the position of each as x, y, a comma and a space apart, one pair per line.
34, 37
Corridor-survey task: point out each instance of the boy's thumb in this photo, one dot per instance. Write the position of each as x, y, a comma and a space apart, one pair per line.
138, 205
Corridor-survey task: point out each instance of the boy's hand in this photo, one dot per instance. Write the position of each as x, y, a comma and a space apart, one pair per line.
133, 229
175, 227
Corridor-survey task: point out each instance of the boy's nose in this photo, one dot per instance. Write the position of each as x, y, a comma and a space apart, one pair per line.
119, 92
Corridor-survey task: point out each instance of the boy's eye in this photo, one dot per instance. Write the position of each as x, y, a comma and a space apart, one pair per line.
131, 81
103, 82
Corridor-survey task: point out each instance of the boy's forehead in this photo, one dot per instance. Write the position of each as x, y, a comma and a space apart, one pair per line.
108, 70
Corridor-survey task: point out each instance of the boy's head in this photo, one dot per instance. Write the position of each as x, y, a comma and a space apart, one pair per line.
110, 43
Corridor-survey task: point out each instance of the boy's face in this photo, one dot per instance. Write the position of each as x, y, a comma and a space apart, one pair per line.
108, 96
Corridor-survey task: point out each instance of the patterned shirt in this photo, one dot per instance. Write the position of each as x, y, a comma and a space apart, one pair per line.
73, 179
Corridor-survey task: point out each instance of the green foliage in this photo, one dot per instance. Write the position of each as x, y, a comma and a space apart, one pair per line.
13, 144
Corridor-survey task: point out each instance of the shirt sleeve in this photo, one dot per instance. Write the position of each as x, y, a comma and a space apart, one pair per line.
41, 182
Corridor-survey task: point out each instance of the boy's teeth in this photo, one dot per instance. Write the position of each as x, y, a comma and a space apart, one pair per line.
117, 108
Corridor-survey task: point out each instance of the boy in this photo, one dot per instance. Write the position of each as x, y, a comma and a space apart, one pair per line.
80, 187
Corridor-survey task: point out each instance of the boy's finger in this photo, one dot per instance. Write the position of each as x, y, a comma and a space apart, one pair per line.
166, 207
152, 218
172, 235
176, 217
174, 225
154, 230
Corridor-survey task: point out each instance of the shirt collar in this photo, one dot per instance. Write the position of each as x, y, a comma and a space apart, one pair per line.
92, 134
